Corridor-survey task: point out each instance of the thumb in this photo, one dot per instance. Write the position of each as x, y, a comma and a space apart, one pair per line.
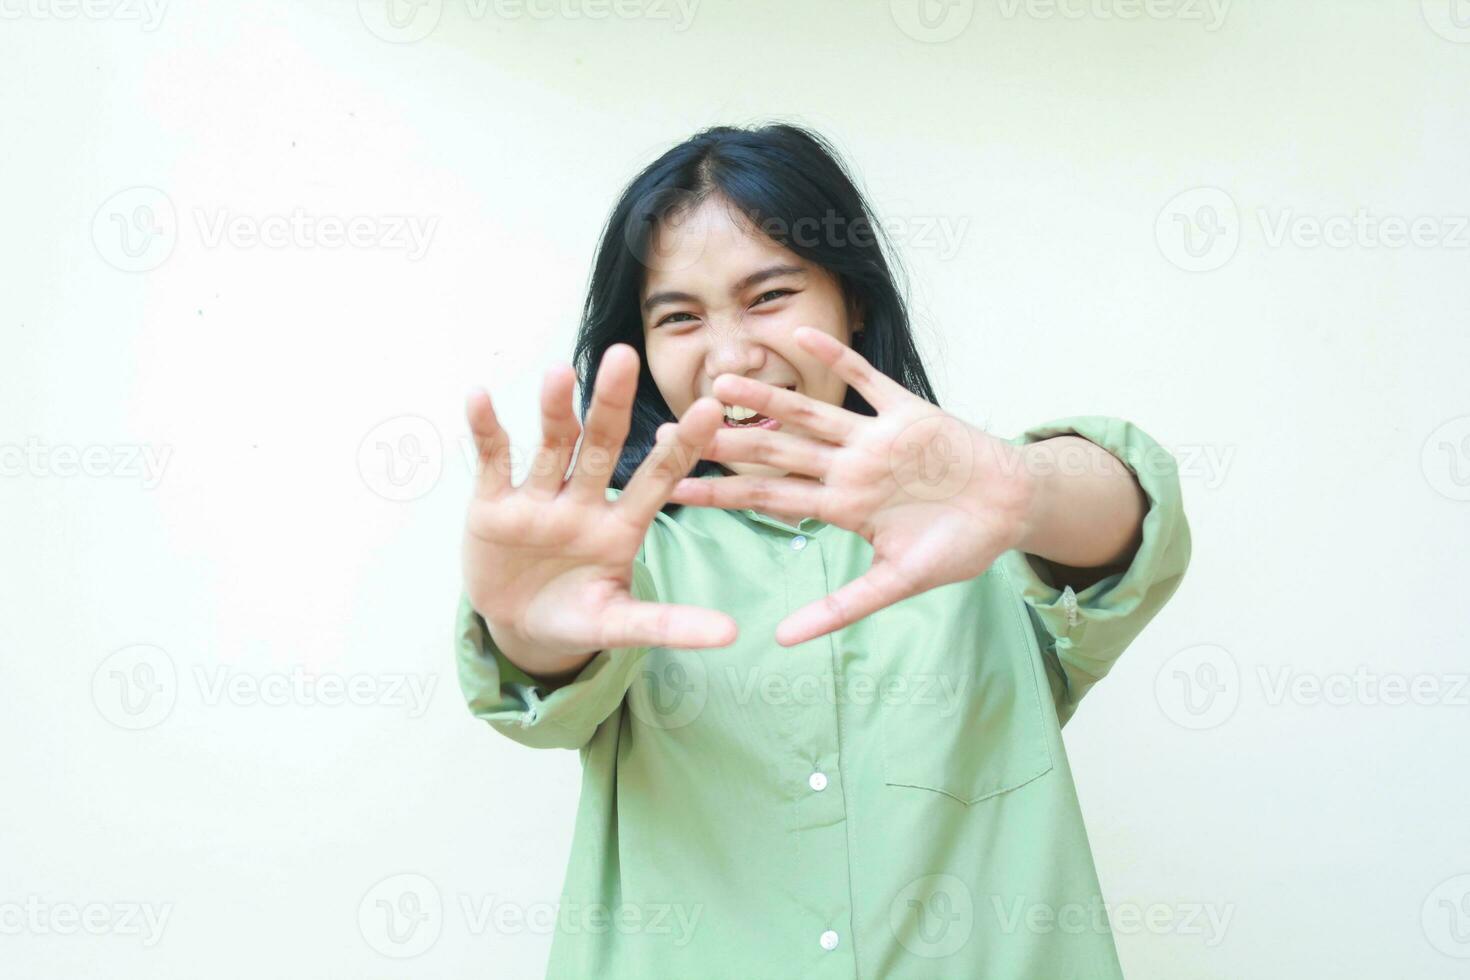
631, 623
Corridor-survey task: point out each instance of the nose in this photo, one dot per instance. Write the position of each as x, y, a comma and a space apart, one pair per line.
732, 351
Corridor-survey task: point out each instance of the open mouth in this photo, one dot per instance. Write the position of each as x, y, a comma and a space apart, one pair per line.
740, 417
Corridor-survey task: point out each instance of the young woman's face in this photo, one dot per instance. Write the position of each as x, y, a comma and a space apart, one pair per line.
721, 297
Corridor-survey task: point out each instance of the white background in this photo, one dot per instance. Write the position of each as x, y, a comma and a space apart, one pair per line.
301, 402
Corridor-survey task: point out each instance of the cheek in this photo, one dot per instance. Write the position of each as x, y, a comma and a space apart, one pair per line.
669, 376
822, 384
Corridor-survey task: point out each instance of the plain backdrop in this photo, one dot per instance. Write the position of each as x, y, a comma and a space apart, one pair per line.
254, 255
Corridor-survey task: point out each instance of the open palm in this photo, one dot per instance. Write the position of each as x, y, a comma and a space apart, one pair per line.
551, 561
938, 498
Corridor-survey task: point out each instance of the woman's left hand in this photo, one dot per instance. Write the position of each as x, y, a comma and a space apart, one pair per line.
938, 499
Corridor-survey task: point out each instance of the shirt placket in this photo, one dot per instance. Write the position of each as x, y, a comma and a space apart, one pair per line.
811, 766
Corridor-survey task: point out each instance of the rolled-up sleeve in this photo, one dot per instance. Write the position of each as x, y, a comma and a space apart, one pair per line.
530, 711
1082, 634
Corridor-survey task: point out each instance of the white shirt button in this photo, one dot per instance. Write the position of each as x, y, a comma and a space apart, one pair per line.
828, 940
798, 542
818, 781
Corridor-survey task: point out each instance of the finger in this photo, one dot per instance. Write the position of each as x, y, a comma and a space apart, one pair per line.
782, 450
880, 391
608, 419
678, 447
881, 586
659, 624
559, 432
790, 495
827, 421
492, 444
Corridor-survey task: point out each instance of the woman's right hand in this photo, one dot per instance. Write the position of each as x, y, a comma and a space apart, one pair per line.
549, 564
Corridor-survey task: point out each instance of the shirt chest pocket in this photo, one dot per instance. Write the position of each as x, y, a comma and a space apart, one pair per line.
964, 715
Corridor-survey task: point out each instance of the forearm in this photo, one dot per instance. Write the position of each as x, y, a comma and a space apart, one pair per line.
1085, 509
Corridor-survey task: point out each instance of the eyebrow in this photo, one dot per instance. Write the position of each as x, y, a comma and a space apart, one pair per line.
674, 296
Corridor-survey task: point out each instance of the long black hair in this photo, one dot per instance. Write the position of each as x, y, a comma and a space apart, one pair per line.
785, 179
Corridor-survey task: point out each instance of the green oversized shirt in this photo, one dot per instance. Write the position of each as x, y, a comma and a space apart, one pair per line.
889, 800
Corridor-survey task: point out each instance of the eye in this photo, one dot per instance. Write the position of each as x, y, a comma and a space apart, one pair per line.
673, 318
772, 294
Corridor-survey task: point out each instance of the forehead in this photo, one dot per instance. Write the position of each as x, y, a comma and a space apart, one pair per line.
713, 241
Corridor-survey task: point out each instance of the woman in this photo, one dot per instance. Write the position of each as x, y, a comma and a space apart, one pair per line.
814, 637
